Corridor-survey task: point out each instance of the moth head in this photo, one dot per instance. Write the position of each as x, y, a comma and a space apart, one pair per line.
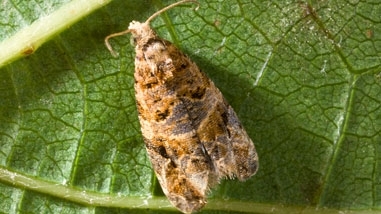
139, 30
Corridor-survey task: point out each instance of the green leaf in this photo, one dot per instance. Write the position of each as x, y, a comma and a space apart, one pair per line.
304, 78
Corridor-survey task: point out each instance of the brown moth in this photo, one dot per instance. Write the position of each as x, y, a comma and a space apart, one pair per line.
192, 135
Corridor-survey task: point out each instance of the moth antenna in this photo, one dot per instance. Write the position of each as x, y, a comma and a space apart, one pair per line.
108, 45
114, 35
169, 7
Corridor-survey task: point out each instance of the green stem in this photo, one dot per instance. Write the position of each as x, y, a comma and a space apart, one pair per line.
29, 39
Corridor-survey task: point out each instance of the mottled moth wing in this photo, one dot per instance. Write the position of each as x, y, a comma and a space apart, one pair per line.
192, 135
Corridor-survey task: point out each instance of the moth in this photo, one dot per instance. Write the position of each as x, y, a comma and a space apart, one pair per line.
192, 135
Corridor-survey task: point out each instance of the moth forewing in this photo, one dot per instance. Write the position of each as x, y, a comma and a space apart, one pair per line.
192, 135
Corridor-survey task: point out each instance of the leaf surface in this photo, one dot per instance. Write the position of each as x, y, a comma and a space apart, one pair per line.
304, 78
